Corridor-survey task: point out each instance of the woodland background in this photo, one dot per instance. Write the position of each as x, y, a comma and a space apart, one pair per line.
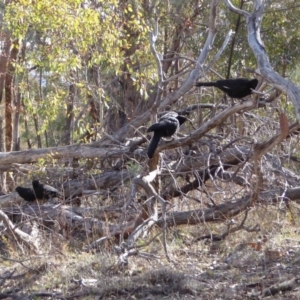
214, 215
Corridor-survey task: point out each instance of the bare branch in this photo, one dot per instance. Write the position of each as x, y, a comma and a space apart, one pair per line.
18, 234
211, 123
236, 10
221, 50
265, 69
153, 39
184, 88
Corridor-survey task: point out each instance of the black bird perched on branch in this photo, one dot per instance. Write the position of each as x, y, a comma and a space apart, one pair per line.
44, 191
234, 88
26, 193
167, 125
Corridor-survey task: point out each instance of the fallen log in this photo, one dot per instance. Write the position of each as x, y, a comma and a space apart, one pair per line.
284, 286
80, 151
107, 180
77, 187
91, 220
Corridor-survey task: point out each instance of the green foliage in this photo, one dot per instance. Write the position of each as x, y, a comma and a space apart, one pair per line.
281, 33
62, 41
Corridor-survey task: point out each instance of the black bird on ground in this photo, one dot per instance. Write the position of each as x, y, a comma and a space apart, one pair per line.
234, 88
44, 191
26, 193
167, 125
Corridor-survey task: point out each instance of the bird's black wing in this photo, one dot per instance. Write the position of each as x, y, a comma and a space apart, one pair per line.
167, 125
154, 127
235, 88
26, 193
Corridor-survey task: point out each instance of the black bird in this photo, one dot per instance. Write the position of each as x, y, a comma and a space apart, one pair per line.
44, 191
167, 125
26, 193
234, 88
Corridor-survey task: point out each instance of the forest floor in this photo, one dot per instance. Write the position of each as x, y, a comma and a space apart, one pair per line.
245, 265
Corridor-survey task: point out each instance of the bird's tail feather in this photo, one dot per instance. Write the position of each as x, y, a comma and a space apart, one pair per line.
153, 145
205, 84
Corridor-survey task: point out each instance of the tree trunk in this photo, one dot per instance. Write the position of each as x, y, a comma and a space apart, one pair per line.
9, 96
70, 115
4, 56
46, 138
129, 96
27, 131
16, 123
36, 126
17, 107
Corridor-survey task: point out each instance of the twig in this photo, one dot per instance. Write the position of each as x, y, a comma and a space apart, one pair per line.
6, 276
253, 21
280, 287
18, 234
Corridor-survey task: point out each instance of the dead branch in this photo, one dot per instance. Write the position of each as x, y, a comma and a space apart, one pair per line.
97, 182
229, 230
125, 252
6, 276
72, 217
152, 193
231, 157
90, 151
218, 213
280, 287
17, 234
202, 177
207, 126
198, 71
265, 69
77, 151
10, 296
228, 210
77, 187
46, 294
